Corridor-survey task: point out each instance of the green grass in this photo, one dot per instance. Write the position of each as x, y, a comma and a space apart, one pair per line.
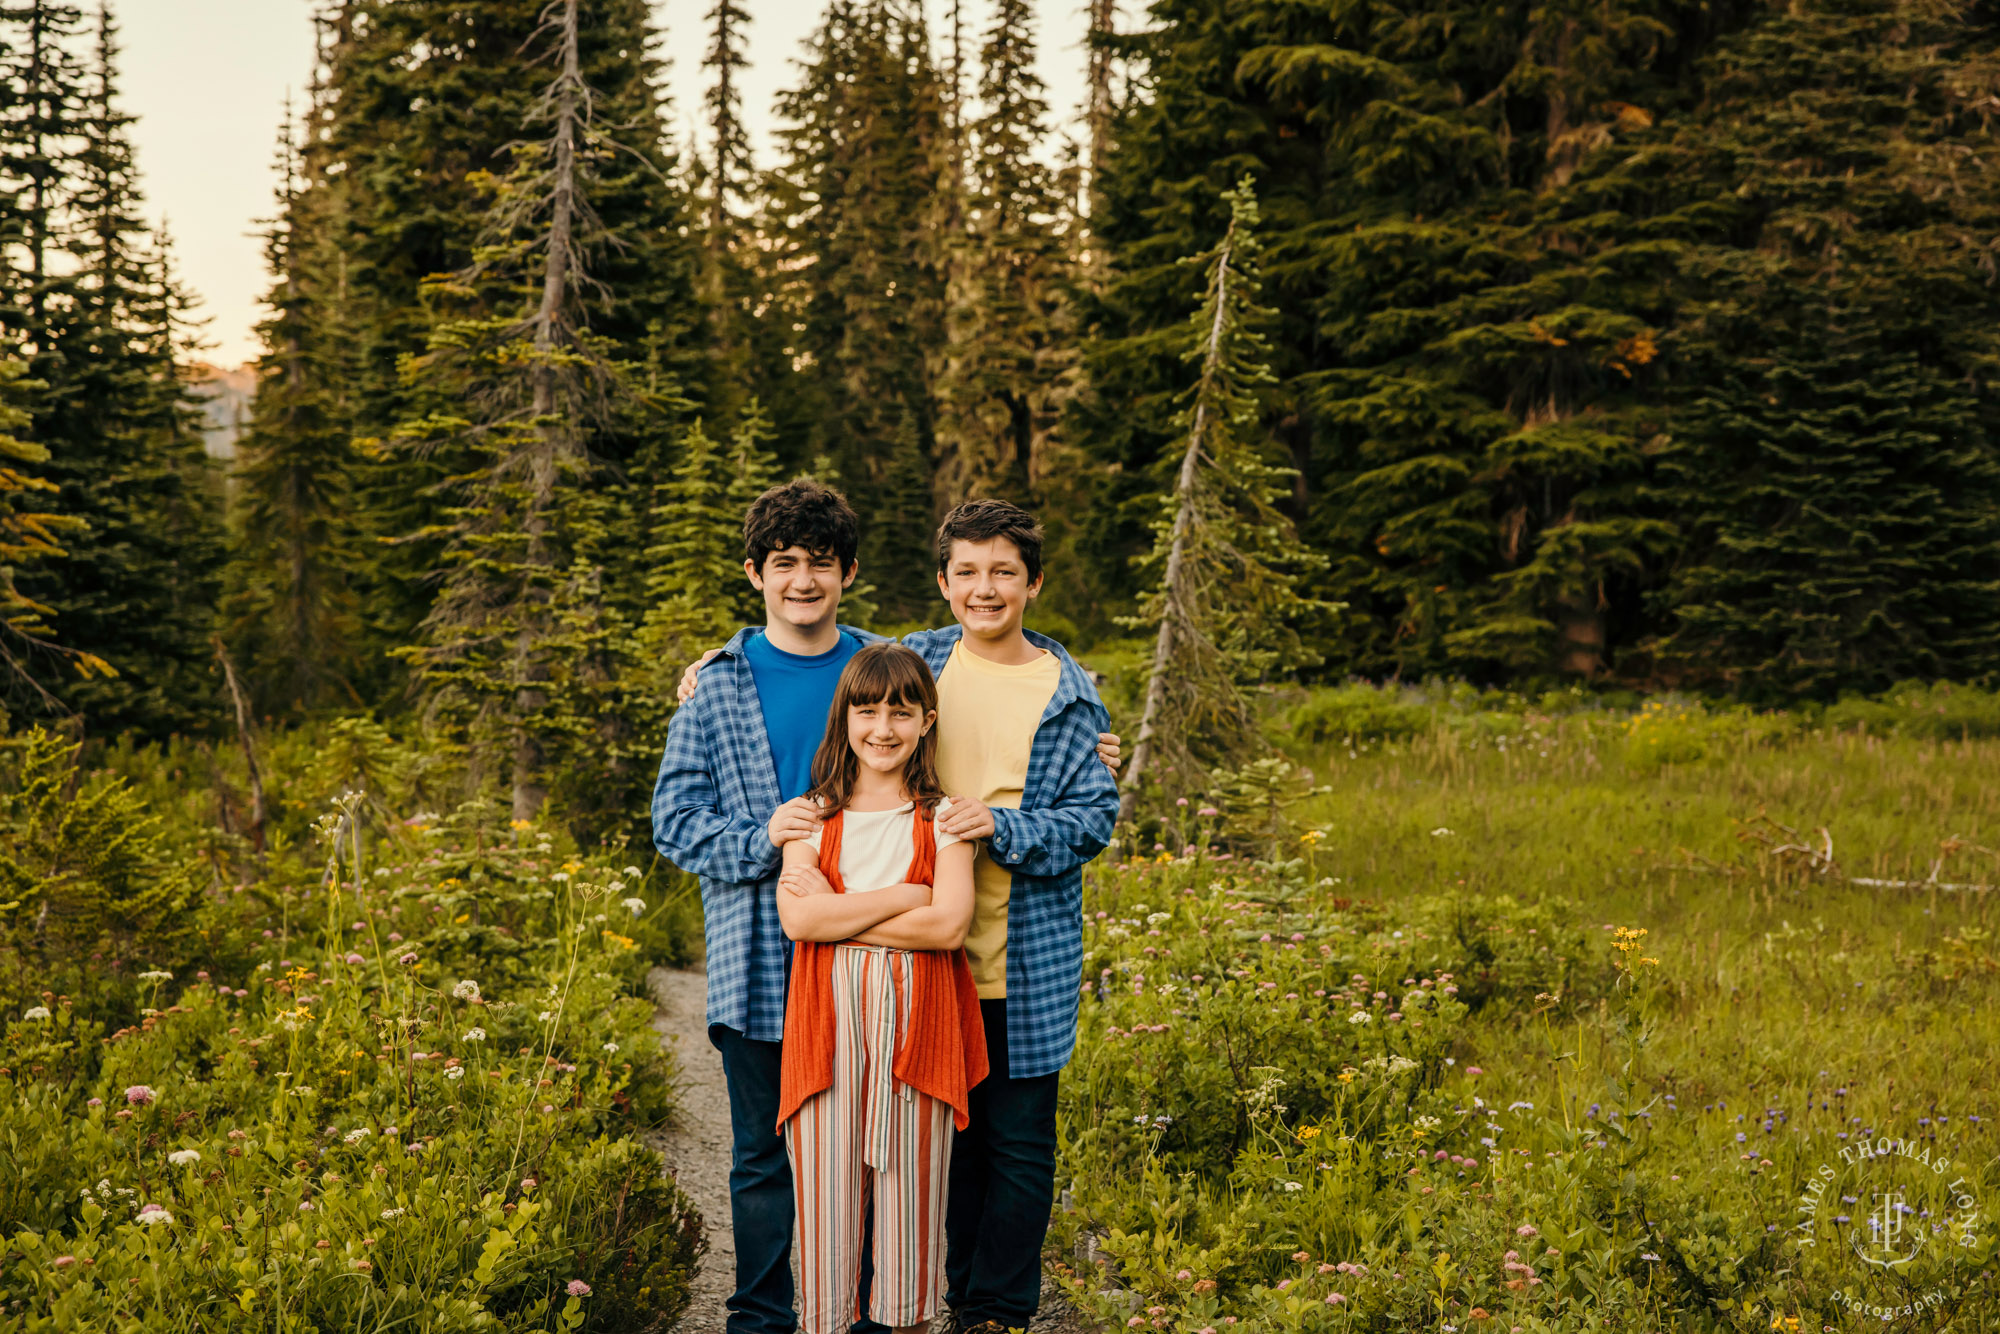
1781, 987
1775, 972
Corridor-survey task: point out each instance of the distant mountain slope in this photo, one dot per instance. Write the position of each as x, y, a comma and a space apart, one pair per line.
225, 401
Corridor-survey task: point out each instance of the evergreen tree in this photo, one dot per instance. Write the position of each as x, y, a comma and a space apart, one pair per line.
696, 557
105, 325
860, 189
523, 357
290, 606
1011, 345
1227, 608
1833, 436
412, 144
1462, 350
30, 533
729, 163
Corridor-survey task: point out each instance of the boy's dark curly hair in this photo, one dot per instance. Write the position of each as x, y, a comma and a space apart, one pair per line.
984, 520
801, 514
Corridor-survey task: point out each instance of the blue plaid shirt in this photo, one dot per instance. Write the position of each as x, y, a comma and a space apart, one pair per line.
1066, 817
711, 810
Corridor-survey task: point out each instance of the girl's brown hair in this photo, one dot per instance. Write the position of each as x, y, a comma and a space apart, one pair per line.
880, 673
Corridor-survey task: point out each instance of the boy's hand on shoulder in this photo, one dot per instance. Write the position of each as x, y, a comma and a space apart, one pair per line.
1107, 749
692, 676
804, 881
796, 819
967, 819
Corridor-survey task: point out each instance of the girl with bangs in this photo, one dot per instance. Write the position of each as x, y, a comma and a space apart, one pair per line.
883, 1037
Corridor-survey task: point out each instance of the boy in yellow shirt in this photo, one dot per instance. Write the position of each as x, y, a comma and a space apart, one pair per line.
1018, 725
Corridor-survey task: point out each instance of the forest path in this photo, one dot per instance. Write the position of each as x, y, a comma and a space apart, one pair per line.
696, 1148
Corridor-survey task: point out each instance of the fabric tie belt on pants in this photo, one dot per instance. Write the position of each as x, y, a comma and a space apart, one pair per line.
888, 997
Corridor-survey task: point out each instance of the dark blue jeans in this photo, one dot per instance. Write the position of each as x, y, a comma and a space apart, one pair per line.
1003, 1183
760, 1192
760, 1187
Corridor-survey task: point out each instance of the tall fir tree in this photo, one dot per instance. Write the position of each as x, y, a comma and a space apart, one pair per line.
1832, 432
1461, 353
1228, 605
515, 382
31, 532
106, 326
290, 606
424, 98
1011, 343
860, 192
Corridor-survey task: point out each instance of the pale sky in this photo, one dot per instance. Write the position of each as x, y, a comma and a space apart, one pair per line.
208, 79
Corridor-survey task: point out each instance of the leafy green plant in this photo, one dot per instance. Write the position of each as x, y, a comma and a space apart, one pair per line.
391, 1093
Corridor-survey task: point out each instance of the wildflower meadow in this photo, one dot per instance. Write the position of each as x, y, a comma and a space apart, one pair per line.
1462, 1012
1551, 1016
394, 1082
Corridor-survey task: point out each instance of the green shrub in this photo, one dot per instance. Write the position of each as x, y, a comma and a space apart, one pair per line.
1357, 712
392, 1095
1936, 711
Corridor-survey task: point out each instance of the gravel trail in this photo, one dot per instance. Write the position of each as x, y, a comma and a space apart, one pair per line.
696, 1148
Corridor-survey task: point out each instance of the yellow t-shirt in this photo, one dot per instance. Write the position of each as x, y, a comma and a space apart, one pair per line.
987, 717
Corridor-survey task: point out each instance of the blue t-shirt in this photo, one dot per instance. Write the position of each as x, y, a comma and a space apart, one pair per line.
796, 692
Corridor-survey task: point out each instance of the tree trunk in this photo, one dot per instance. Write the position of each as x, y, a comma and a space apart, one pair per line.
242, 708
531, 673
1103, 23
1174, 609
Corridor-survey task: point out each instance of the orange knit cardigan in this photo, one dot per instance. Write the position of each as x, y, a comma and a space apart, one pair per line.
944, 1043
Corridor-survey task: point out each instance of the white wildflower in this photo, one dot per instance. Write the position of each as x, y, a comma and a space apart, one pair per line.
1155, 918
467, 990
456, 1072
184, 1157
475, 1035
355, 1136
545, 1016
560, 877
611, 1046
302, 1091
1293, 1185
152, 1213
1440, 832
1361, 1017
392, 1213
637, 907
1262, 1100
35, 1012
1391, 1066
156, 975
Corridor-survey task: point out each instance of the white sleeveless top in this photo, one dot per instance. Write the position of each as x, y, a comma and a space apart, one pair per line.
875, 845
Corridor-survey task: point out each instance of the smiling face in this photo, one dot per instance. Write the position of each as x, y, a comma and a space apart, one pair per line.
800, 589
884, 733
988, 587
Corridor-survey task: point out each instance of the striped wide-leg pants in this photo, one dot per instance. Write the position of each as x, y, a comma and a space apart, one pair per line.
869, 1144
